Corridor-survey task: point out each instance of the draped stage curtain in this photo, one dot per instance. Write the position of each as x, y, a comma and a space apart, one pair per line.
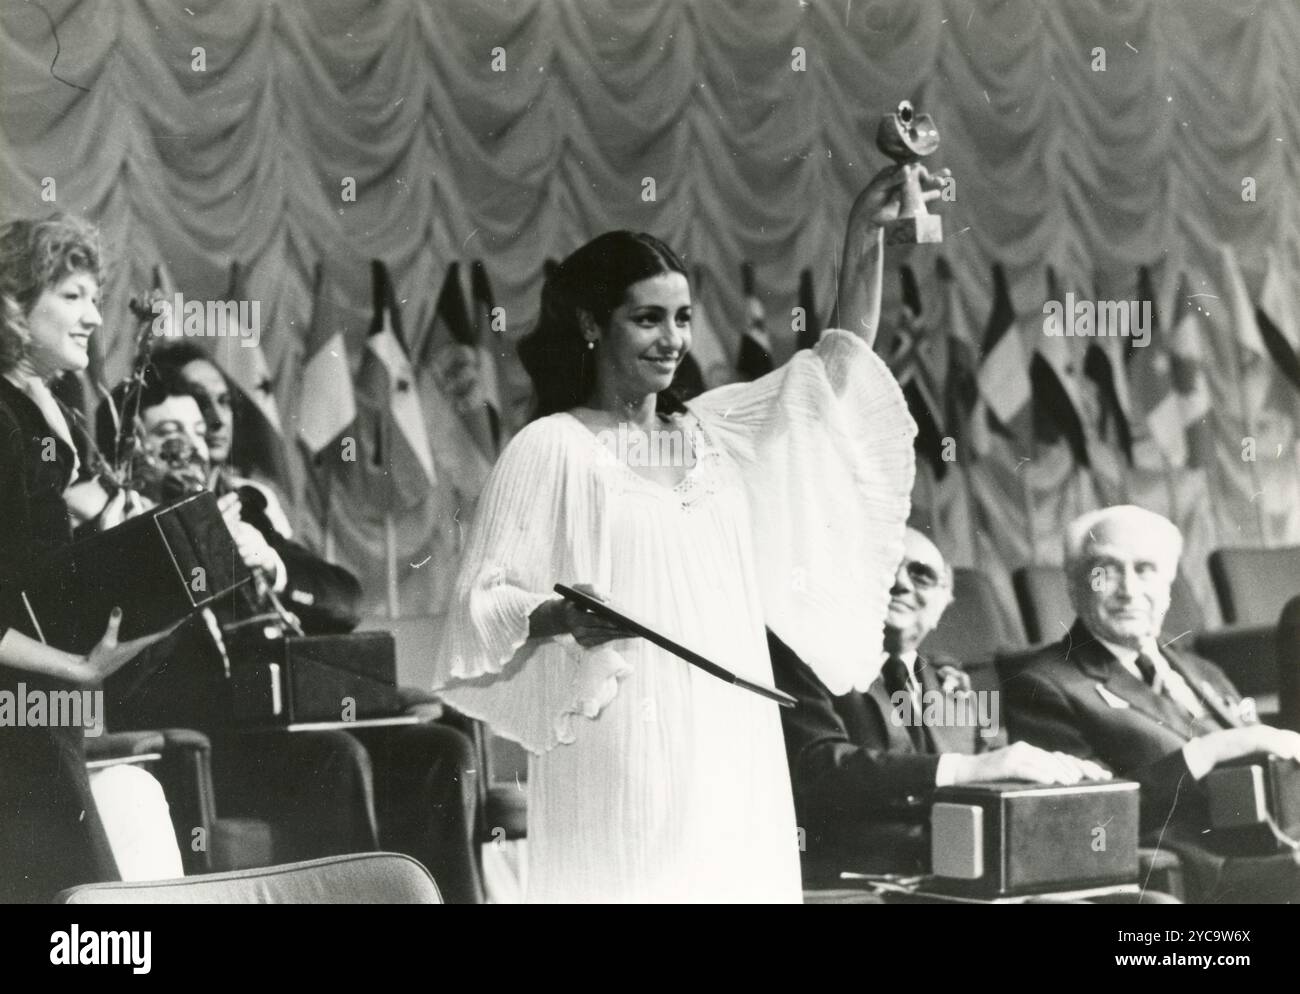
1093, 172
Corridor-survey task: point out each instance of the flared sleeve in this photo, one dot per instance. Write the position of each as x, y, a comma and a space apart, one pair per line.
824, 446
538, 523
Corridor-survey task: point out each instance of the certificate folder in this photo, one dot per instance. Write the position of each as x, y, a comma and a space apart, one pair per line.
159, 567
623, 619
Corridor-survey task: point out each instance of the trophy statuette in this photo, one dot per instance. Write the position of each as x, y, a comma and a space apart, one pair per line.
906, 137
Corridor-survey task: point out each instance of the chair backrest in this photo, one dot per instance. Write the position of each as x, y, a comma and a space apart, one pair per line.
975, 626
1044, 599
1253, 585
1288, 665
1247, 654
360, 878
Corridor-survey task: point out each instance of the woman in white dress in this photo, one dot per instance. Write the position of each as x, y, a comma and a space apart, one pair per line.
781, 503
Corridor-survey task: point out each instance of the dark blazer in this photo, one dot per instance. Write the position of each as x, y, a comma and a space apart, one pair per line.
862, 789
325, 597
50, 833
1070, 697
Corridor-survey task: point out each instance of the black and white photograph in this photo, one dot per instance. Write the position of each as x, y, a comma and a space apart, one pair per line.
596, 452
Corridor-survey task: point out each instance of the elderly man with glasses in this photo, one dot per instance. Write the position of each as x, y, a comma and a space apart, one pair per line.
864, 766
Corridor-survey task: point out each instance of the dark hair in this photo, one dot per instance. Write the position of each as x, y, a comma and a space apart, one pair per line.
159, 383
594, 279
177, 355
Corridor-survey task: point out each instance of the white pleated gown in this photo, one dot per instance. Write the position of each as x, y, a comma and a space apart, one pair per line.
650, 780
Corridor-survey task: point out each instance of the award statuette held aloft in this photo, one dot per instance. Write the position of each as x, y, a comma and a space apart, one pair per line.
906, 137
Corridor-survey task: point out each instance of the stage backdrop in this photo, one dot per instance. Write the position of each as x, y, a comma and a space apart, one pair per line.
1094, 136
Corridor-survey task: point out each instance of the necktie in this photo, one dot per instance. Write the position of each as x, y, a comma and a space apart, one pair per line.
898, 680
1147, 667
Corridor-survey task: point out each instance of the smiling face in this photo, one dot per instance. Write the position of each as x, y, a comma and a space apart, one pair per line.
921, 592
175, 418
1120, 580
638, 352
60, 324
208, 378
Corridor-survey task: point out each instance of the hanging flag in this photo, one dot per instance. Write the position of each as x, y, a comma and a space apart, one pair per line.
1053, 373
810, 333
712, 357
398, 439
490, 331
453, 351
1276, 319
235, 345
241, 356
964, 412
1110, 425
1159, 433
1187, 370
1257, 420
326, 405
755, 357
907, 362
1004, 372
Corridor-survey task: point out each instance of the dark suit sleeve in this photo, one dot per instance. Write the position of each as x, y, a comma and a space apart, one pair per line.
1038, 712
834, 777
325, 597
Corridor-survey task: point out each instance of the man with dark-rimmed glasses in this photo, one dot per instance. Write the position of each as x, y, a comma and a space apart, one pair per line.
864, 766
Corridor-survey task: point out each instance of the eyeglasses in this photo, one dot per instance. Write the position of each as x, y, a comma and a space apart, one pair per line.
923, 575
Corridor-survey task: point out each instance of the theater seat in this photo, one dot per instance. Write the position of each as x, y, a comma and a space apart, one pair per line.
1253, 585
1288, 665
1248, 655
1044, 600
976, 626
361, 878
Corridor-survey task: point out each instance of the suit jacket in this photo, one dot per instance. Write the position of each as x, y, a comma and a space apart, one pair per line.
1076, 697
51, 836
862, 789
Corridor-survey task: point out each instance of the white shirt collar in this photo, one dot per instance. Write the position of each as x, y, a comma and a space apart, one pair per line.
1166, 676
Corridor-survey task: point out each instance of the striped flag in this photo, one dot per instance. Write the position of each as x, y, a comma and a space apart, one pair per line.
326, 405
386, 388
259, 444
1276, 319
1004, 373
755, 357
1054, 373
453, 349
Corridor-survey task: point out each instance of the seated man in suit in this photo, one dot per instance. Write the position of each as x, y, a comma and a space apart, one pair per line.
864, 765
315, 788
1113, 691
334, 782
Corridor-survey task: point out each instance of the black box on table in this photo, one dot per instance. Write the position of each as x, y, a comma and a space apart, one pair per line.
287, 680
1008, 839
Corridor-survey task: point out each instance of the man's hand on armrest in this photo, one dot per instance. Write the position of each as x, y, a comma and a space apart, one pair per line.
1208, 751
1020, 761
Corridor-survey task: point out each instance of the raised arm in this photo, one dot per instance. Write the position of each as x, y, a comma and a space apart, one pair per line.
857, 303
